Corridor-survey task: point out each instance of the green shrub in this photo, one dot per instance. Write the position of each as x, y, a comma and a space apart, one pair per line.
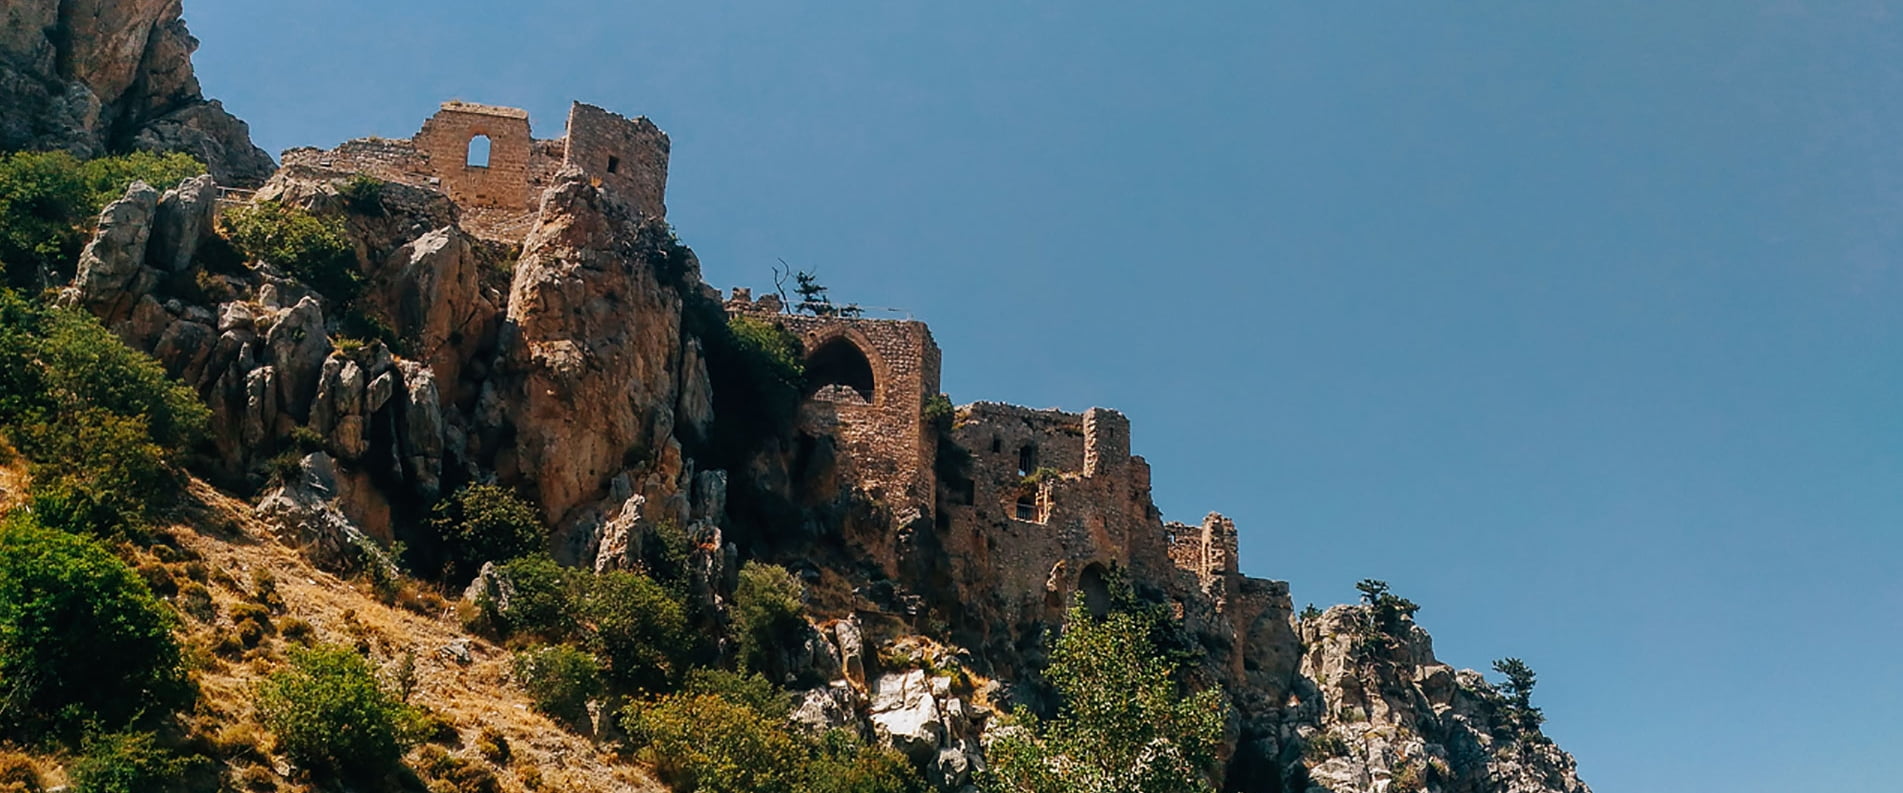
844, 764
773, 350
542, 605
487, 523
310, 248
49, 202
702, 742
767, 613
751, 690
330, 715
99, 422
1324, 745
130, 762
363, 193
1121, 723
560, 680
634, 625
81, 637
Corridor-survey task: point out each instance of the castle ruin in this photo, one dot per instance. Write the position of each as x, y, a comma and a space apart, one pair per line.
486, 160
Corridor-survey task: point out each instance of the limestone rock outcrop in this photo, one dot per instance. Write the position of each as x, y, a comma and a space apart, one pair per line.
585, 378
100, 77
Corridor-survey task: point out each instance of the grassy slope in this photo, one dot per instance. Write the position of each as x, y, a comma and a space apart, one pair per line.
223, 546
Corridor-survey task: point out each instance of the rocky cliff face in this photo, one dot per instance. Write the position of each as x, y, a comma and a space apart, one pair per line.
110, 76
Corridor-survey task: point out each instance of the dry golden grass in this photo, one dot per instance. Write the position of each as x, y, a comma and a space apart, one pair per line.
472, 697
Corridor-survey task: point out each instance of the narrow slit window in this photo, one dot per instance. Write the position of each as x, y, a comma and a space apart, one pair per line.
614, 164
478, 152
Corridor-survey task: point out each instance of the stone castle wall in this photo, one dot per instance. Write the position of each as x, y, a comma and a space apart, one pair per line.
500, 198
868, 381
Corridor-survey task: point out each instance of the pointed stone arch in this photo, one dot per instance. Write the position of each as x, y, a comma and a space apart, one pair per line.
844, 366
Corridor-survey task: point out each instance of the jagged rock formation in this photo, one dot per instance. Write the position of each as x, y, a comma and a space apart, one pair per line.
579, 369
99, 77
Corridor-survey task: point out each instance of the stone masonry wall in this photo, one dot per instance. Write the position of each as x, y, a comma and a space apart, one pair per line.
500, 200
883, 434
627, 155
445, 140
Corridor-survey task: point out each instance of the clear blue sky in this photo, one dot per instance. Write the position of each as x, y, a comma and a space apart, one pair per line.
1580, 323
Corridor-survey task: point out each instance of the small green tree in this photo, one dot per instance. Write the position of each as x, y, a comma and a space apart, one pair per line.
486, 523
1519, 691
542, 602
1387, 614
704, 742
560, 680
1121, 723
331, 716
767, 613
81, 637
637, 627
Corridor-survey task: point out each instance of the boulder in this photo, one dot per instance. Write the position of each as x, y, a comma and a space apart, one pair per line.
905, 715
112, 273
298, 348
182, 220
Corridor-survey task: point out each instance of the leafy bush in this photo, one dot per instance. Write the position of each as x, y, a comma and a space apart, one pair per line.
1121, 724
99, 422
843, 764
81, 637
330, 715
637, 627
767, 612
487, 523
772, 350
130, 762
701, 739
49, 201
363, 193
703, 742
542, 604
751, 690
560, 680
311, 248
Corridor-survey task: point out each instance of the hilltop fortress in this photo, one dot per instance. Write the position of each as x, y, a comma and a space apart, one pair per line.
520, 314
1044, 503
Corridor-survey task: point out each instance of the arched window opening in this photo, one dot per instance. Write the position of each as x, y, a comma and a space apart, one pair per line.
478, 152
1027, 507
1027, 459
1095, 585
839, 372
